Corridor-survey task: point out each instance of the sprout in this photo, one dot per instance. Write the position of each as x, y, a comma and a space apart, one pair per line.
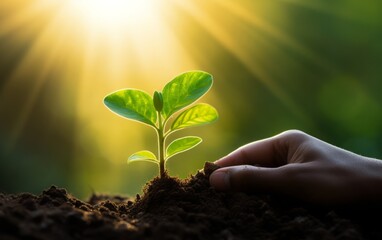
177, 95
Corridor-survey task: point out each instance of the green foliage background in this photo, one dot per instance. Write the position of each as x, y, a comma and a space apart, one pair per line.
313, 65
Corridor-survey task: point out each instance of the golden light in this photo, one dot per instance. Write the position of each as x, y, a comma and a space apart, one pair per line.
112, 14
97, 46
92, 47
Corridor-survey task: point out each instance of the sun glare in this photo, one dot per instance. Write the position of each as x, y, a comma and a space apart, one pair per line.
113, 13
96, 46
92, 47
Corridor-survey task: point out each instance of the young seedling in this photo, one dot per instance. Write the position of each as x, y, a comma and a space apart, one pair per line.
156, 112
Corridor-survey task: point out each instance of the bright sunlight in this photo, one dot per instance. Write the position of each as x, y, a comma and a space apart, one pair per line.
59, 58
82, 49
114, 13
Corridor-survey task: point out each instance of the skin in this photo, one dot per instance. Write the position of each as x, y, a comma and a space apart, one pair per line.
297, 165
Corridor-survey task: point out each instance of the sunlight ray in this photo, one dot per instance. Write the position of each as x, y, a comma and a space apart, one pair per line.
20, 76
103, 58
30, 11
241, 53
134, 44
281, 36
33, 70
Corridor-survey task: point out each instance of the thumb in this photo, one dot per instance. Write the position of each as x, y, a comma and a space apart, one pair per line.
248, 178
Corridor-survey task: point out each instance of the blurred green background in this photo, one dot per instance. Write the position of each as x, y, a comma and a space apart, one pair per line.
282, 64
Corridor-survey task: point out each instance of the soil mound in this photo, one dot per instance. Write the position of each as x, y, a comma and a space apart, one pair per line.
171, 208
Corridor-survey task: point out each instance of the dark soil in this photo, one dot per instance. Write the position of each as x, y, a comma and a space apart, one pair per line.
179, 209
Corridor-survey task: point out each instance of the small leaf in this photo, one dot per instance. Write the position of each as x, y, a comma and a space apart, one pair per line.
182, 144
143, 156
133, 104
158, 101
183, 90
197, 115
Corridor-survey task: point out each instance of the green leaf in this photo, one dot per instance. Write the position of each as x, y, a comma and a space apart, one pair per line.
182, 144
183, 90
143, 156
133, 104
197, 115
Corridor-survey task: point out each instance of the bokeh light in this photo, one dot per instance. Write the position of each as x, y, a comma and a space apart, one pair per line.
277, 65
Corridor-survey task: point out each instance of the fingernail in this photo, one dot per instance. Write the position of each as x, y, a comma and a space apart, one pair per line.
220, 180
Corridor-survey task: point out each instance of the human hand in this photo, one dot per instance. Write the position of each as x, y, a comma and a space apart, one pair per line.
298, 165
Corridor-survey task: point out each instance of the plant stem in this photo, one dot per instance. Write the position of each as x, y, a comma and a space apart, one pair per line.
161, 142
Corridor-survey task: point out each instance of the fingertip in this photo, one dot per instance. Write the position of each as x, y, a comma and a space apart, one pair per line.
226, 161
220, 160
219, 179
246, 178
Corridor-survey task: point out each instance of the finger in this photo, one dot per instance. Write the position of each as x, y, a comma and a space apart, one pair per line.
270, 152
256, 153
295, 180
248, 178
